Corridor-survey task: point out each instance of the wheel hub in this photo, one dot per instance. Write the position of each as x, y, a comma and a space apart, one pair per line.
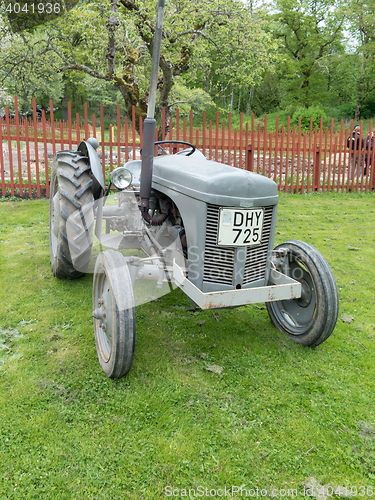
306, 294
104, 324
98, 313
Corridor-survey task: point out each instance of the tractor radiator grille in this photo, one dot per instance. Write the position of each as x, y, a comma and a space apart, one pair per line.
256, 257
219, 261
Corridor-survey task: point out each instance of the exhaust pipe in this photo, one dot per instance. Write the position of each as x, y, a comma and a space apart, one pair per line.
149, 126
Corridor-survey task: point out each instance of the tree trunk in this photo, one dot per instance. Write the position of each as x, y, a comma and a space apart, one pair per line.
207, 83
64, 101
357, 113
306, 87
248, 104
111, 28
165, 90
25, 105
359, 98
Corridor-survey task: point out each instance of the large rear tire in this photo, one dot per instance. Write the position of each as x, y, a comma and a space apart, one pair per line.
311, 319
71, 218
114, 314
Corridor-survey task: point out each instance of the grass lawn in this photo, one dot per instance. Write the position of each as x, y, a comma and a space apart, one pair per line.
278, 415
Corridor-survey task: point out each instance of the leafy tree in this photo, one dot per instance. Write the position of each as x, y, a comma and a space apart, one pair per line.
186, 98
112, 41
311, 32
236, 57
305, 114
362, 25
340, 69
5, 98
266, 96
22, 75
5, 41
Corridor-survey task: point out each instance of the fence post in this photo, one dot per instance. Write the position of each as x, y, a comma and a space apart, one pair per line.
87, 128
229, 139
264, 147
2, 159
69, 126
10, 152
35, 118
276, 149
27, 145
19, 159
102, 137
118, 136
249, 158
44, 128
191, 131
52, 127
163, 124
371, 167
203, 133
316, 169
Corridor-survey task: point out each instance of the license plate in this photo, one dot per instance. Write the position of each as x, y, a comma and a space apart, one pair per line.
239, 227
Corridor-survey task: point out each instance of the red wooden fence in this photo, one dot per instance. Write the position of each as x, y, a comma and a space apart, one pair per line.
298, 161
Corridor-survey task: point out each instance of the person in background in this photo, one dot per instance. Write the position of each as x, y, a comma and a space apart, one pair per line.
369, 147
355, 144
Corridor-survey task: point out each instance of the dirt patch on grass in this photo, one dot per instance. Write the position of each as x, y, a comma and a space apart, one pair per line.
367, 430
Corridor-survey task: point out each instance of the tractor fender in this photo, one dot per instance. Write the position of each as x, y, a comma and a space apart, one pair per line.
88, 149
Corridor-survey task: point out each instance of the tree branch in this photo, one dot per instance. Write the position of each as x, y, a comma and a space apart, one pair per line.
87, 70
111, 28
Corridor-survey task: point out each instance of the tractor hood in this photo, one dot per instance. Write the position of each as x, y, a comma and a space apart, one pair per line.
213, 182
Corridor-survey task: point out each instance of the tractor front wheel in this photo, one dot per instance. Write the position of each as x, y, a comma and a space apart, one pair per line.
71, 215
114, 314
310, 319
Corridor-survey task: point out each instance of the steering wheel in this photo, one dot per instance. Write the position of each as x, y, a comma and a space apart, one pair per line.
193, 148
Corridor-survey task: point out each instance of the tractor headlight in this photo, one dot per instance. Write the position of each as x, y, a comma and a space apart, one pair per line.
121, 178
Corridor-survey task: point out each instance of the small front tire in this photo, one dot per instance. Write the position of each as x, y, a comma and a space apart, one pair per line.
114, 314
311, 319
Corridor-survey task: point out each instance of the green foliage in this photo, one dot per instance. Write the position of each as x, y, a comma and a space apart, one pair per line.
4, 199
343, 111
25, 77
314, 112
311, 32
186, 99
341, 73
361, 24
245, 57
219, 42
233, 58
6, 99
368, 108
266, 96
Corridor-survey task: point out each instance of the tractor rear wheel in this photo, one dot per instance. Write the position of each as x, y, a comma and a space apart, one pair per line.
114, 314
310, 319
71, 215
